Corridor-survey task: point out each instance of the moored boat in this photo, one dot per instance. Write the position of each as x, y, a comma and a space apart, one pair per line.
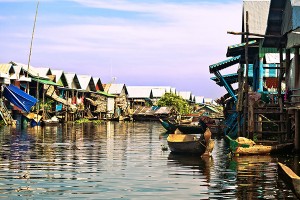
245, 146
54, 121
181, 143
192, 128
190, 143
290, 177
170, 127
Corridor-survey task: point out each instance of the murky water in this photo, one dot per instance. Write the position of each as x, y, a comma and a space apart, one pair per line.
115, 160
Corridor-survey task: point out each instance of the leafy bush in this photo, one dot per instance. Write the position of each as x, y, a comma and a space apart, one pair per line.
178, 103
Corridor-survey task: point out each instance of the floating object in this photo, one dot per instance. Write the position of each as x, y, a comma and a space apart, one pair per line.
290, 177
242, 146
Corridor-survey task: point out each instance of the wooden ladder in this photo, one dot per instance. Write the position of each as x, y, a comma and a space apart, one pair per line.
6, 116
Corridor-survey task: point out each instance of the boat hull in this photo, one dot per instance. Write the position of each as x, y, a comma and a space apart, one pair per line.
183, 128
290, 178
190, 129
167, 125
188, 144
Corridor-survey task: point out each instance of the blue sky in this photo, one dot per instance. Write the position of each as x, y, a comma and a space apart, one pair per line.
140, 42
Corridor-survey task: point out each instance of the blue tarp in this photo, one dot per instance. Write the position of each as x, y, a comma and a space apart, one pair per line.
19, 98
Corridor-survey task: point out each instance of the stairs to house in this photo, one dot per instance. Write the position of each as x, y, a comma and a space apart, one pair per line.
6, 116
50, 92
270, 120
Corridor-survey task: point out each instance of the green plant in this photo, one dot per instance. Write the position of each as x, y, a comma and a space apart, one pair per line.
178, 103
97, 121
80, 121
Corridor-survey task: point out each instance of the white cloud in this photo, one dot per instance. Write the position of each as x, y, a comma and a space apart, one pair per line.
181, 39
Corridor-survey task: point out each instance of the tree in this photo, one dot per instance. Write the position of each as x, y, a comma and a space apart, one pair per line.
177, 102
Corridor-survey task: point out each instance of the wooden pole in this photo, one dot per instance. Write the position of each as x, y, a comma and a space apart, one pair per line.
297, 118
287, 75
246, 85
239, 105
254, 34
296, 58
43, 103
37, 104
30, 49
280, 100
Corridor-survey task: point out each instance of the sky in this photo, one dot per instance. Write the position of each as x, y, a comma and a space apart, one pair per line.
135, 42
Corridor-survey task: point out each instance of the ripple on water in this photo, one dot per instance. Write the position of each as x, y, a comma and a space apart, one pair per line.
125, 160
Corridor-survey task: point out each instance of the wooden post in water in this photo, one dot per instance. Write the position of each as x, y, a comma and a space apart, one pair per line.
297, 120
37, 104
297, 130
279, 89
287, 74
43, 103
246, 85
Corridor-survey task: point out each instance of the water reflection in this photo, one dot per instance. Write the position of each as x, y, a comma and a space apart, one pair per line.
124, 160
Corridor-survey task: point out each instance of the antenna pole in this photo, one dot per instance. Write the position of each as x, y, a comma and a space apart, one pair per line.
36, 12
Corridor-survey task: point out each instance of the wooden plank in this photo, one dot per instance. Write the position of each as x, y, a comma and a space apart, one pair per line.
272, 121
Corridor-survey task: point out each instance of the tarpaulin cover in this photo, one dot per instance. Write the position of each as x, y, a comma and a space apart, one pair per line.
19, 98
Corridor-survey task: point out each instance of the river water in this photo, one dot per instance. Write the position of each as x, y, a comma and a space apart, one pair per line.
125, 160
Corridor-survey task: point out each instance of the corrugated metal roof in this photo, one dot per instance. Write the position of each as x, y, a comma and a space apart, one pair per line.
274, 23
229, 78
275, 57
6, 68
199, 99
32, 71
43, 71
173, 90
239, 49
73, 82
208, 100
223, 64
257, 16
116, 88
186, 95
18, 70
163, 110
213, 108
98, 84
60, 77
291, 19
57, 73
138, 92
86, 82
293, 38
45, 81
105, 94
158, 92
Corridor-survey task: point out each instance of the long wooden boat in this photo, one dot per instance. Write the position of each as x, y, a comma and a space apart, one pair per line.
248, 147
170, 127
190, 144
193, 128
290, 177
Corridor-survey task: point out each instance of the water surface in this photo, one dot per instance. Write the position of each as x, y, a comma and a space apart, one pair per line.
125, 160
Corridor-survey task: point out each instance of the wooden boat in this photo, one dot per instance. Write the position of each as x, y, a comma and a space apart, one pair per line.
192, 128
244, 146
170, 127
53, 121
181, 143
49, 122
290, 177
120, 118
